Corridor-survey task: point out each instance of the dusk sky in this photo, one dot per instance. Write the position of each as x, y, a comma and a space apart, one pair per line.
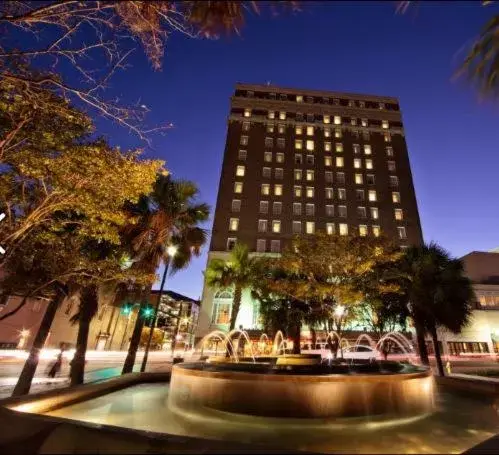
453, 139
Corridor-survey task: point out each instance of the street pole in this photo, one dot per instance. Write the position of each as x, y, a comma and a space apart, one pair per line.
153, 323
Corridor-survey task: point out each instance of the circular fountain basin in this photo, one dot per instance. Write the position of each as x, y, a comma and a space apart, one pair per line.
271, 389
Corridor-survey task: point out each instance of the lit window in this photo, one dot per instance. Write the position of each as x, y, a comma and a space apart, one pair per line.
236, 205
330, 228
361, 212
310, 159
359, 179
296, 227
240, 171
278, 190
327, 146
265, 189
342, 211
384, 124
279, 172
339, 161
381, 105
365, 135
270, 128
327, 119
367, 149
279, 157
339, 147
337, 133
310, 227
329, 210
340, 178
343, 229
281, 129
246, 126
233, 224
369, 164
328, 161
277, 208
327, 132
296, 208
359, 195
309, 209
328, 176
387, 137
363, 122
275, 246
389, 151
280, 142
329, 193
374, 213
394, 181
238, 187
396, 198
262, 225
376, 231
244, 140
353, 121
299, 98
337, 120
276, 226
310, 191
247, 112
298, 158
298, 144
282, 115
391, 166
297, 191
370, 179
269, 142
242, 155
357, 163
298, 174
342, 194
310, 176
298, 129
310, 145
401, 232
399, 216
362, 230
264, 206
310, 130
271, 115
267, 157
231, 243
261, 245
372, 195
356, 149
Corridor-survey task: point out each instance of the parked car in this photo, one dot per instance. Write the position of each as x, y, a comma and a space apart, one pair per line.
360, 352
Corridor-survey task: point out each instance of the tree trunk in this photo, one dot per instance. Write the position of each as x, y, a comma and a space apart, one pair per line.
88, 307
236, 303
436, 346
135, 341
28, 372
314, 337
296, 336
423, 351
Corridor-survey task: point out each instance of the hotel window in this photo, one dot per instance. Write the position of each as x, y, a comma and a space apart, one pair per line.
336, 101
384, 124
358, 179
343, 229
261, 245
369, 164
389, 151
310, 130
236, 205
296, 227
310, 160
376, 231
250, 94
337, 120
244, 140
327, 146
356, 149
271, 115
367, 149
242, 155
363, 122
327, 119
387, 137
399, 216
246, 126
329, 210
325, 100
265, 189
353, 121
247, 112
340, 178
394, 181
362, 230
238, 187
275, 246
339, 147
310, 99
309, 227
270, 128
280, 143
310, 145
328, 176
298, 174
310, 176
339, 161
337, 133
365, 135
283, 97
351, 103
281, 129
310, 191
298, 144
361, 212
267, 157
381, 106
277, 208
372, 195
299, 98
231, 243
269, 142
327, 132
330, 228
357, 163
362, 104
309, 209
395, 197
240, 171
282, 115
233, 224
391, 166
359, 195
279, 173
276, 226
272, 96
298, 158
297, 191
299, 117
329, 193
370, 179
342, 194
298, 130
355, 134
342, 211
264, 206
296, 208
277, 190
401, 232
279, 157
374, 213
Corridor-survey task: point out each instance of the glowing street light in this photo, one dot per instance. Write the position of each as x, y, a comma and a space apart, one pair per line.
339, 311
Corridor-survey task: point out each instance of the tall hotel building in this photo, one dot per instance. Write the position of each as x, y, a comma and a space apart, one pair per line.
298, 161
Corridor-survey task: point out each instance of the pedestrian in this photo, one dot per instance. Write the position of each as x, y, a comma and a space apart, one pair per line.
56, 366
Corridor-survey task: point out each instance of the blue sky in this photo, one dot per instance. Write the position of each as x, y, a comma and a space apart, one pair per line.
353, 47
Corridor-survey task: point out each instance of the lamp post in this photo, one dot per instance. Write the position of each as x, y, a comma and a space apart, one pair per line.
171, 250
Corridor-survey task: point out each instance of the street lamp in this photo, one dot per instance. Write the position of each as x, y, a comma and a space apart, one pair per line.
171, 251
339, 311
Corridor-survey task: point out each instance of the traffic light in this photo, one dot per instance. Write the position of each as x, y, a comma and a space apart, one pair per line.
147, 312
126, 309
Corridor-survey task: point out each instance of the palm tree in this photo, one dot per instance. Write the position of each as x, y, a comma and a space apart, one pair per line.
440, 294
168, 216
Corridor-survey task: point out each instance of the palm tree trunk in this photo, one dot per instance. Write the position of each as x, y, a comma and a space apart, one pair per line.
314, 337
296, 337
436, 346
88, 308
28, 372
423, 351
134, 342
236, 304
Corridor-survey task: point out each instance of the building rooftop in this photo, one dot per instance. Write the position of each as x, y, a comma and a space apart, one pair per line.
176, 296
482, 266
